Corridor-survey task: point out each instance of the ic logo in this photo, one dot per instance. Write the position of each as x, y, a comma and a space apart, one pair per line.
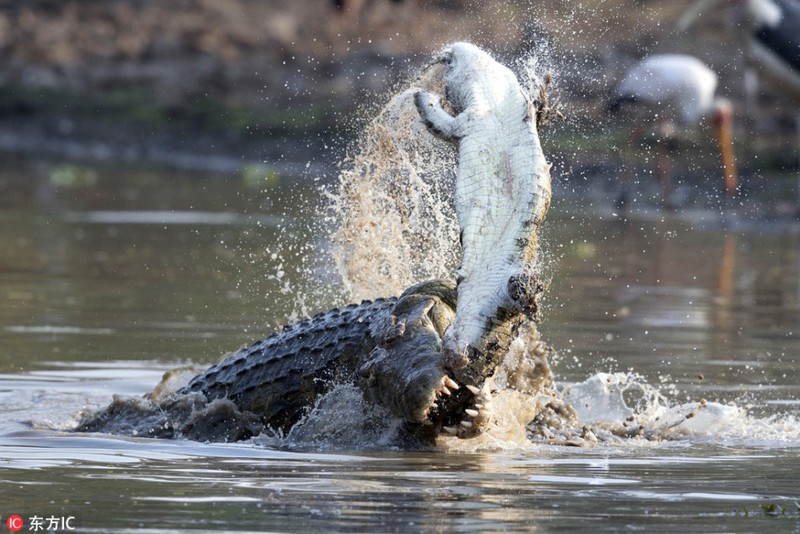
15, 523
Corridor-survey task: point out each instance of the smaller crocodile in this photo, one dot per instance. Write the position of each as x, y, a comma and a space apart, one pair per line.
502, 194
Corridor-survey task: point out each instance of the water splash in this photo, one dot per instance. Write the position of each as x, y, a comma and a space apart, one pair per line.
624, 409
396, 223
391, 223
386, 223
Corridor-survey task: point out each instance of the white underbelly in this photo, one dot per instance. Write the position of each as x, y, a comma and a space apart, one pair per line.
495, 197
503, 182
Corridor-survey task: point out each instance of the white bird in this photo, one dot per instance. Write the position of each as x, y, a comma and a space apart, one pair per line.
676, 86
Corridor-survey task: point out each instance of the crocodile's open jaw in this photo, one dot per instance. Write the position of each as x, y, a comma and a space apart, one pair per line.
407, 372
461, 411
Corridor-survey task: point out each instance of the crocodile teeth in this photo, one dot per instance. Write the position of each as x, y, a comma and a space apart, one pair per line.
427, 422
445, 391
471, 413
478, 406
450, 430
449, 382
466, 424
473, 389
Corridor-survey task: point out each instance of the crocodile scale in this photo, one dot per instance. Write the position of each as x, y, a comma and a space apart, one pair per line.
279, 377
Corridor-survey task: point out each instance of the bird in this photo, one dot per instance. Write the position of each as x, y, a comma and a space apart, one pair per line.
771, 32
677, 87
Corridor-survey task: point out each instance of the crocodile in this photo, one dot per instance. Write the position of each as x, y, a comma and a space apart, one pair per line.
426, 355
502, 194
389, 348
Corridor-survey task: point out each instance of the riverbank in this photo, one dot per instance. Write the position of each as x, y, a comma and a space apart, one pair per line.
283, 88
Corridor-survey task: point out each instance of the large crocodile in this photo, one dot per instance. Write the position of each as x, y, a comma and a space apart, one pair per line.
390, 348
426, 355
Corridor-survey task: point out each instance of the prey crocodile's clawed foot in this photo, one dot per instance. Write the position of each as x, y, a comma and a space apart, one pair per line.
525, 290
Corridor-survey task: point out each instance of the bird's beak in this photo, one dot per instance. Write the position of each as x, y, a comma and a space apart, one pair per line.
723, 123
695, 10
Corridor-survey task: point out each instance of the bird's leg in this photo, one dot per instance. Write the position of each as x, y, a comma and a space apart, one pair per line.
629, 174
751, 94
663, 164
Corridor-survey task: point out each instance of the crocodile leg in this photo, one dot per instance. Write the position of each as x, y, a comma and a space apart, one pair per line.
439, 122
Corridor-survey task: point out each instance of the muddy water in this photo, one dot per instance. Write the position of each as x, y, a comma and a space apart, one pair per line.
104, 287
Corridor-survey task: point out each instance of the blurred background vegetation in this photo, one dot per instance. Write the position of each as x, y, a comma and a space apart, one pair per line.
218, 84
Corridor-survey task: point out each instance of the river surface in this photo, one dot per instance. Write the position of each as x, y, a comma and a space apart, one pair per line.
110, 277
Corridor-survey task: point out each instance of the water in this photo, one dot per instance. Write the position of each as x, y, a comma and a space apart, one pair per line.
106, 287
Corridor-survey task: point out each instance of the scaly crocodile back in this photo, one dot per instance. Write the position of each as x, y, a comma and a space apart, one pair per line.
283, 375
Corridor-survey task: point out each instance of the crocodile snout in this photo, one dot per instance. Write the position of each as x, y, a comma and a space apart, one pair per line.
465, 362
455, 359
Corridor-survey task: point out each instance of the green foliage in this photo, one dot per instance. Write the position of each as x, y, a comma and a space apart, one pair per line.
69, 176
137, 106
260, 176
